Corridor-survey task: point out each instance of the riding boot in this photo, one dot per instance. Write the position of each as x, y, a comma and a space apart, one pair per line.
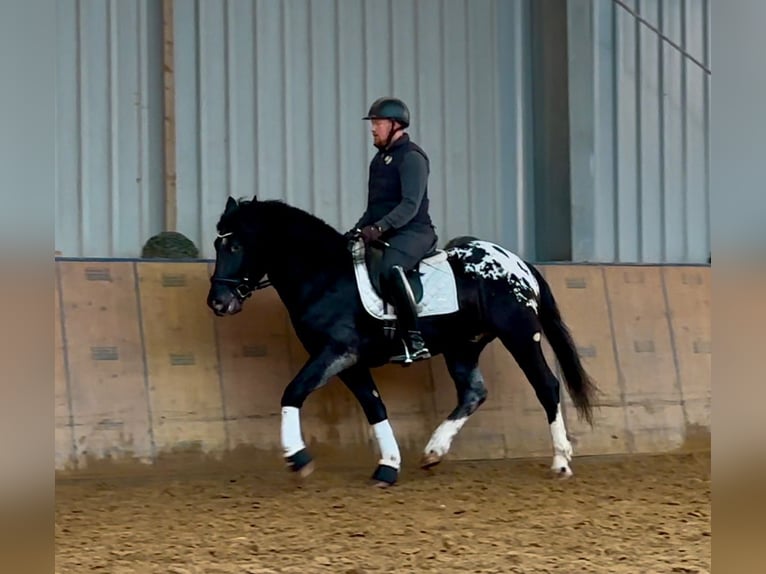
404, 303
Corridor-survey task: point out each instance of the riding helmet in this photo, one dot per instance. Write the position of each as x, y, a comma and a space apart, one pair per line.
389, 109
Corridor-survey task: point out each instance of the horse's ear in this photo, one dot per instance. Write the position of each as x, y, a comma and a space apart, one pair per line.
255, 198
231, 203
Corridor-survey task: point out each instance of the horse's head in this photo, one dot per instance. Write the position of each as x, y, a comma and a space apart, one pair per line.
237, 272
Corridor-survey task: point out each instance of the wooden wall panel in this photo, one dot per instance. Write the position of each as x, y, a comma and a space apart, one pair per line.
64, 437
181, 358
106, 363
688, 297
647, 367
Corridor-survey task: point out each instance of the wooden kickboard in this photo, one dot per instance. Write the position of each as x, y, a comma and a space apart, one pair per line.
688, 297
645, 357
182, 366
64, 438
105, 356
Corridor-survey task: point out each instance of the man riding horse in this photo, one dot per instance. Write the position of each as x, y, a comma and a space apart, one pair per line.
397, 214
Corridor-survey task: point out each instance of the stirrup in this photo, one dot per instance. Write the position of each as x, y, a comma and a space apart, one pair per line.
408, 357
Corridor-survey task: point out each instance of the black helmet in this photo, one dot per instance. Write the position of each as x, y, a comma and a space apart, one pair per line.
389, 109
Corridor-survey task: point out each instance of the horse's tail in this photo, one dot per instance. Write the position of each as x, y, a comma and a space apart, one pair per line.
581, 387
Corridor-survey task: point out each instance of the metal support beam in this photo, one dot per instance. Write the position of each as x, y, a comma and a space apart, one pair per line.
169, 116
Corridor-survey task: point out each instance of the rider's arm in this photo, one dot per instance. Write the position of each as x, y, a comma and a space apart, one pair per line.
364, 220
413, 172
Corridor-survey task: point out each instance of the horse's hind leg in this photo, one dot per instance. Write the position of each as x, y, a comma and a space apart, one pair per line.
463, 366
523, 341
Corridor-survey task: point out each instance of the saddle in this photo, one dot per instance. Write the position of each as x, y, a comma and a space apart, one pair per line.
432, 282
374, 261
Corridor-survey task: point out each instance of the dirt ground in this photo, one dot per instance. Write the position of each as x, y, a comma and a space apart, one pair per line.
636, 515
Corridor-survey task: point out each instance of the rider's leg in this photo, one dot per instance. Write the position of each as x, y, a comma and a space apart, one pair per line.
406, 247
401, 297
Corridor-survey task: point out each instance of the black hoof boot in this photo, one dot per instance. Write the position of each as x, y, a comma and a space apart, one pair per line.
385, 475
301, 462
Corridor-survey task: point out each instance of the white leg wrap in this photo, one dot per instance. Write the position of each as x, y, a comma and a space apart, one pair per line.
389, 449
441, 439
291, 431
562, 448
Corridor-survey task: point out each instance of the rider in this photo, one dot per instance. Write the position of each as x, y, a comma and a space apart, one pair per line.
397, 213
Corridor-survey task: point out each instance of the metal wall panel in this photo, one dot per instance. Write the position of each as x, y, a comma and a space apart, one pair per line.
639, 115
270, 95
109, 139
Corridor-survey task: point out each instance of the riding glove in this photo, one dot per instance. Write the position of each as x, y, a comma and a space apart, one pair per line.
371, 233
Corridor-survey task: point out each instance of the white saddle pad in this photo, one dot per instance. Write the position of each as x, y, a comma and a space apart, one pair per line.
439, 288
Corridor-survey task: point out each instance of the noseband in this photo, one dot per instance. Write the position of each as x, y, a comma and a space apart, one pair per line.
242, 287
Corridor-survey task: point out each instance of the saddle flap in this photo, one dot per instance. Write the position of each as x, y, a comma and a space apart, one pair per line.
373, 257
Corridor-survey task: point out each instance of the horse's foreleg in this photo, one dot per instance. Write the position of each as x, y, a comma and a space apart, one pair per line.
314, 374
359, 381
463, 366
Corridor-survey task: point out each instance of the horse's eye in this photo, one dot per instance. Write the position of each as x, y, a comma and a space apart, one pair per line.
234, 247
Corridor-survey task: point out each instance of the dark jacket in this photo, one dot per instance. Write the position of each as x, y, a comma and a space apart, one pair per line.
398, 188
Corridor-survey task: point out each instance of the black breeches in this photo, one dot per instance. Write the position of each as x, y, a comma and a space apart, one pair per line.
407, 248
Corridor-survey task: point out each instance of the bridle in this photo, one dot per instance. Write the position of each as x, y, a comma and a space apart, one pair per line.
243, 288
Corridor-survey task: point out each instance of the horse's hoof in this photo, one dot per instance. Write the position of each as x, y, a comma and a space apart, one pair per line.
301, 463
306, 470
385, 476
430, 460
562, 472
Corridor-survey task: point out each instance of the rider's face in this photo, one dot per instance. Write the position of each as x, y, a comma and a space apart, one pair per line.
380, 130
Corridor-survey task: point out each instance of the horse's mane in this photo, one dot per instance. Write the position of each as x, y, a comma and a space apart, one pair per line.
313, 225
302, 230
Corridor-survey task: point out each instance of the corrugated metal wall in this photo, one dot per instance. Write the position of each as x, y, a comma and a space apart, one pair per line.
639, 122
270, 95
109, 140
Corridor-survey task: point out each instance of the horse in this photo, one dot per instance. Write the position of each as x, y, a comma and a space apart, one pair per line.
477, 291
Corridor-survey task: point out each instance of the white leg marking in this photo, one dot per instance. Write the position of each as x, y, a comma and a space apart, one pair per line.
441, 440
562, 448
389, 450
292, 441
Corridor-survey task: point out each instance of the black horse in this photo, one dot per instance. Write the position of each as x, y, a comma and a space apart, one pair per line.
309, 263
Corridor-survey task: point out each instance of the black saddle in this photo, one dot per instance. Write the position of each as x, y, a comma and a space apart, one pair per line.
374, 259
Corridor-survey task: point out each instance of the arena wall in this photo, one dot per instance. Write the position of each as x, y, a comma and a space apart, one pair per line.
147, 376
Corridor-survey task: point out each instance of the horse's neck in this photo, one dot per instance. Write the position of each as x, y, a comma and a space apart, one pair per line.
299, 264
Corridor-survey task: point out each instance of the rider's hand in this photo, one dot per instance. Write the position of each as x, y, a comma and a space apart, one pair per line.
371, 233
